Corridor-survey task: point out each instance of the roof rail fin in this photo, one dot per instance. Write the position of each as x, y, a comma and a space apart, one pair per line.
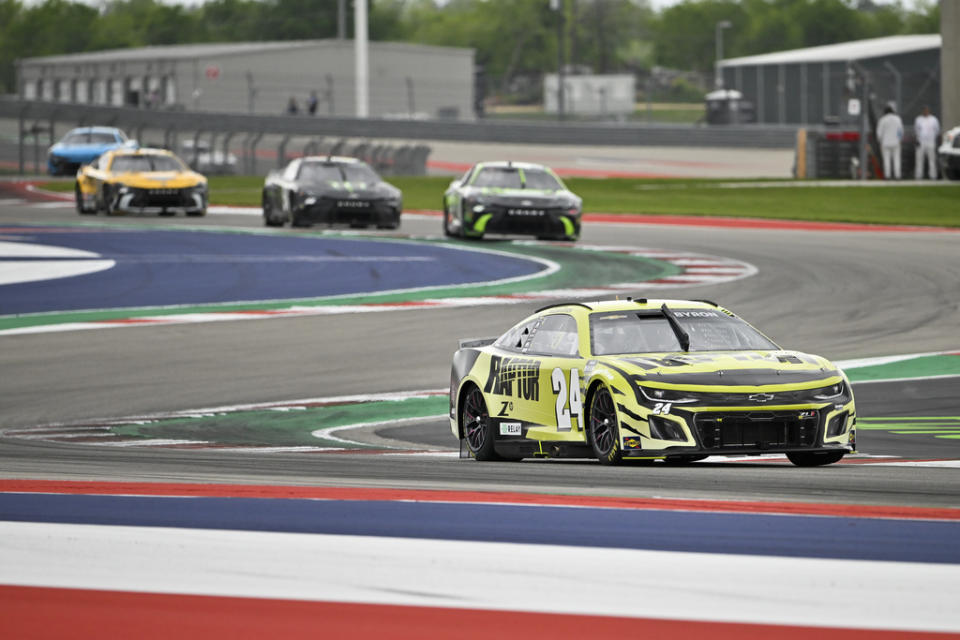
564, 304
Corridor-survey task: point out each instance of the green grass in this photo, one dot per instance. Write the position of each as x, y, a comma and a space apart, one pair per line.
934, 205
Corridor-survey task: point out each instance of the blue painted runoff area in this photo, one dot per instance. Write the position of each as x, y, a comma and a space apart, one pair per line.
748, 534
171, 267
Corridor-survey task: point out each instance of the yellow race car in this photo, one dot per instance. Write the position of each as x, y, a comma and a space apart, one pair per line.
140, 181
677, 380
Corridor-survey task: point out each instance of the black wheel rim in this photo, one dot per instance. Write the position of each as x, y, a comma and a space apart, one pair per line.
603, 421
475, 420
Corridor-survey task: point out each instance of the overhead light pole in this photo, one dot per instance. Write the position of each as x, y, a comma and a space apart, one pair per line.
361, 66
557, 5
717, 76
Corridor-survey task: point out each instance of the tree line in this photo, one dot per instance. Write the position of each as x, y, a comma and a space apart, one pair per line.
512, 38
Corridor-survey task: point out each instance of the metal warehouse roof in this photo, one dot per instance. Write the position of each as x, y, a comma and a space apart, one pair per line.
221, 49
843, 51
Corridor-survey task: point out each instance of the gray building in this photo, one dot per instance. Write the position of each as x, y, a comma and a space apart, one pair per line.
406, 80
810, 86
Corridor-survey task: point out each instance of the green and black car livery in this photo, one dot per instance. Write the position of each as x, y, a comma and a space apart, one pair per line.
516, 198
677, 380
330, 190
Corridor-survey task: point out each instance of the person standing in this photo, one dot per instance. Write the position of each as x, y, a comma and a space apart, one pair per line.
312, 103
927, 128
889, 135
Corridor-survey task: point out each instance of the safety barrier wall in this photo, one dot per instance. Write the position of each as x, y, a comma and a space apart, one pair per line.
569, 133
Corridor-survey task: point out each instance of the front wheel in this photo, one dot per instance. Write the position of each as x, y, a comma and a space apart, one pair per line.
603, 431
476, 424
815, 459
82, 209
110, 202
447, 231
270, 218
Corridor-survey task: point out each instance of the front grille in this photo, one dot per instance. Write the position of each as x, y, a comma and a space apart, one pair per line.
526, 213
160, 197
353, 216
757, 429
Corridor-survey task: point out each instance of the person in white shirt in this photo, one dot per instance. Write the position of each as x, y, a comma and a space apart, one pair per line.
889, 134
927, 128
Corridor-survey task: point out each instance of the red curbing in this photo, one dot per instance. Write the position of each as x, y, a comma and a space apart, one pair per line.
47, 612
166, 489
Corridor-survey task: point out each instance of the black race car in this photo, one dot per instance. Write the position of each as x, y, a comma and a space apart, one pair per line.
330, 190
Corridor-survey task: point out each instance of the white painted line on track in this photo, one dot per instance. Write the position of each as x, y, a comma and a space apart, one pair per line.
875, 361
377, 570
50, 205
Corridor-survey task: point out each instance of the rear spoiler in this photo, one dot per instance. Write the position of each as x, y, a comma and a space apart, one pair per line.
473, 343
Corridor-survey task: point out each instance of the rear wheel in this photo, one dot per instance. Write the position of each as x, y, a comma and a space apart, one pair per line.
603, 431
815, 459
476, 424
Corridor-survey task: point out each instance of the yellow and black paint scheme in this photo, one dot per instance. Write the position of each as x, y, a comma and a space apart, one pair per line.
540, 391
140, 181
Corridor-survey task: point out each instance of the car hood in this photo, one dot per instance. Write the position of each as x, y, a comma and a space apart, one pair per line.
521, 197
352, 190
81, 150
725, 369
158, 179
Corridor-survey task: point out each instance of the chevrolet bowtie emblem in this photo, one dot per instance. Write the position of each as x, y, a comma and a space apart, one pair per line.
760, 397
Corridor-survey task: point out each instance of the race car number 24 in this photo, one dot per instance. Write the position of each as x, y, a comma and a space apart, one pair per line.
575, 408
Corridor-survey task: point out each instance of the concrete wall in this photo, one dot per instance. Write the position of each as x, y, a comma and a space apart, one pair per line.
950, 63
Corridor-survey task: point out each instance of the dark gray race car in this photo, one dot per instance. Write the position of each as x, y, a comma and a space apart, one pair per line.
330, 190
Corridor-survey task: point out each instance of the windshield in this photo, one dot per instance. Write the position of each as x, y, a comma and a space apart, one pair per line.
145, 163
320, 172
515, 178
650, 332
88, 137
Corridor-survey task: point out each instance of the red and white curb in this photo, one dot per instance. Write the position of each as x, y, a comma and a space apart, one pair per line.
696, 270
99, 431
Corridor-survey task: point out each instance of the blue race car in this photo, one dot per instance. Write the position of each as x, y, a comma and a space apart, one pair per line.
82, 146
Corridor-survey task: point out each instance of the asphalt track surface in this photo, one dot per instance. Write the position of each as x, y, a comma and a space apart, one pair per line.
839, 294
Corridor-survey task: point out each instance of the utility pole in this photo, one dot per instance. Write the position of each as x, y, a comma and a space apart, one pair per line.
341, 19
717, 76
361, 66
557, 5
